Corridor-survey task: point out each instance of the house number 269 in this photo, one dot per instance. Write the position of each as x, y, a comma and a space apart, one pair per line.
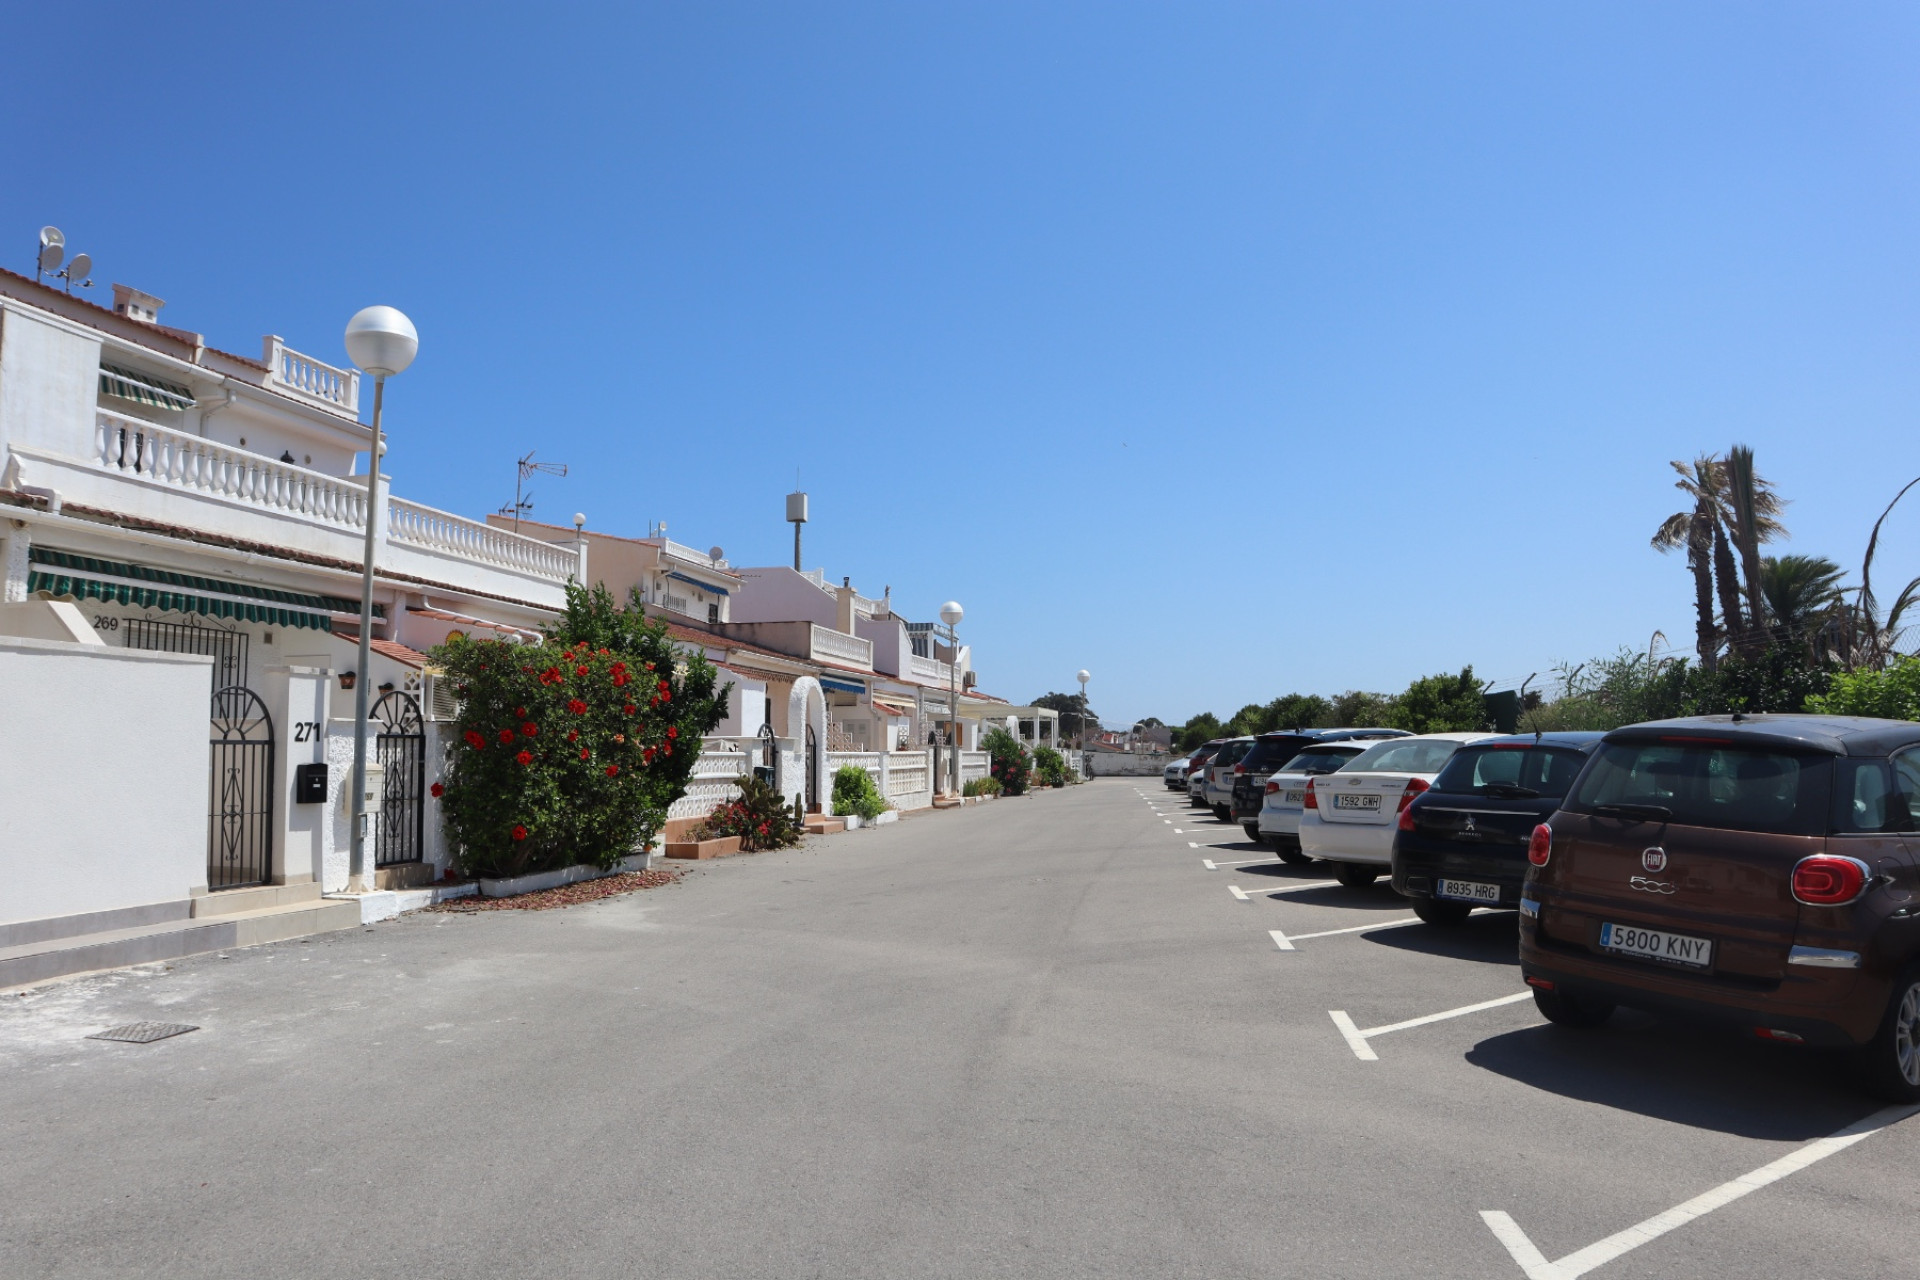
306, 730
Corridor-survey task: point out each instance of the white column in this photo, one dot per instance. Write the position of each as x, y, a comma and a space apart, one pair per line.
13, 554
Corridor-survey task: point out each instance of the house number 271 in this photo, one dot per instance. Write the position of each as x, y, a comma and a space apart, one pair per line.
306, 730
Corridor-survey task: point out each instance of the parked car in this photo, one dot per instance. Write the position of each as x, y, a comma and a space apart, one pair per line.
1758, 871
1197, 773
1282, 794
1218, 788
1349, 816
1175, 774
1270, 752
1462, 843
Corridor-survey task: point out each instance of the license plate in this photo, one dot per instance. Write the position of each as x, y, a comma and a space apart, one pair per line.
1467, 891
1345, 801
1294, 797
1654, 944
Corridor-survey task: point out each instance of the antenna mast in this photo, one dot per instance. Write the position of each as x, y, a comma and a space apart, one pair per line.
523, 502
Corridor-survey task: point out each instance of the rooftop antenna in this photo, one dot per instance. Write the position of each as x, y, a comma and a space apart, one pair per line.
522, 496
796, 516
53, 251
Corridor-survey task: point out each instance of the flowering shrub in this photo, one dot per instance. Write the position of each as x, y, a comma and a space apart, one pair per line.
1010, 762
1051, 767
760, 817
981, 787
570, 751
854, 793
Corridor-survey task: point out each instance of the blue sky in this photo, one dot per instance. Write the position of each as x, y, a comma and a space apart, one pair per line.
1223, 350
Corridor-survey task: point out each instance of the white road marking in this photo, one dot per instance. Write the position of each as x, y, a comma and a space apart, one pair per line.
1177, 831
1357, 1039
1280, 940
1578, 1263
1211, 865
1234, 889
1237, 892
1193, 844
1358, 928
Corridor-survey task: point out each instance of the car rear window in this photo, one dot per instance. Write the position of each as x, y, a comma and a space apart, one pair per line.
1511, 770
1403, 755
1710, 785
1231, 753
1319, 760
1271, 753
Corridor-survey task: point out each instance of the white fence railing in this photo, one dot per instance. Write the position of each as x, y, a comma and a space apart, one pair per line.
930, 669
189, 462
715, 780
838, 646
682, 551
974, 764
909, 776
305, 378
415, 525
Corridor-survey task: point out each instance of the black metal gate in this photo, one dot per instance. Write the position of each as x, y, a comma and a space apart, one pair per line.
402, 752
240, 791
769, 768
813, 771
227, 648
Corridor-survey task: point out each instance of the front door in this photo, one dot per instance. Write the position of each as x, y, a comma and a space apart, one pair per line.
240, 791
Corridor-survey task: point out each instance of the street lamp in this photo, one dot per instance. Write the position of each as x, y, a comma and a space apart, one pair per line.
951, 613
1083, 677
382, 342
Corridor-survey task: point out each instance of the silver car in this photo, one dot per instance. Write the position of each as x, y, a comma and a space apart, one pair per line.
1286, 791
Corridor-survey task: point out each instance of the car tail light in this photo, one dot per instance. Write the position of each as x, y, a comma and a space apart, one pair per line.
1775, 1033
1307, 801
1540, 845
1543, 984
1273, 788
1827, 880
1406, 818
1414, 787
1239, 769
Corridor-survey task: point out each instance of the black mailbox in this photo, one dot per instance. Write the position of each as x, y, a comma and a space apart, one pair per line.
310, 783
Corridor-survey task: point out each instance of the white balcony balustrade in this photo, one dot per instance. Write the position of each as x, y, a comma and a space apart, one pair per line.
315, 381
931, 670
681, 551
838, 646
183, 461
410, 523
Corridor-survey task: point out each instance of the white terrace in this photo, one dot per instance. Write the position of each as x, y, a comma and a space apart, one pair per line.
112, 414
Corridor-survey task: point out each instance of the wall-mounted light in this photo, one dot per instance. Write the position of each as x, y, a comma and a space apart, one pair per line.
347, 678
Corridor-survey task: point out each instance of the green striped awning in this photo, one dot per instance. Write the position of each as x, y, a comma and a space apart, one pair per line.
144, 388
69, 573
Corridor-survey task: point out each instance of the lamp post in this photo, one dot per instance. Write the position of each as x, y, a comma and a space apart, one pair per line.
951, 613
1083, 677
382, 342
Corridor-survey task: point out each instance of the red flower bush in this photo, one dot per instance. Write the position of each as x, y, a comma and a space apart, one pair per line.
438, 790
613, 771
524, 758
578, 707
530, 729
506, 735
475, 741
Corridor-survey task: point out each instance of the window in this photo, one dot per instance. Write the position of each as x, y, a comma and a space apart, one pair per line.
1711, 785
1403, 755
1318, 760
1536, 771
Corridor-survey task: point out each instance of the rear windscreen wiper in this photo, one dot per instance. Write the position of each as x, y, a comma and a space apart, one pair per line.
1654, 812
1511, 791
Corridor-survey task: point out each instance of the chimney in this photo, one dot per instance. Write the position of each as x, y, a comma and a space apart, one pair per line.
135, 305
845, 611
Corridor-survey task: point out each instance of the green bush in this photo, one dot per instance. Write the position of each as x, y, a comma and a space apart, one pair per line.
1783, 679
854, 793
981, 787
1892, 694
1051, 767
760, 817
1011, 764
570, 751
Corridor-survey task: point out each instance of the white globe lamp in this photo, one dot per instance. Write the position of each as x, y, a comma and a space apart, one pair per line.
382, 341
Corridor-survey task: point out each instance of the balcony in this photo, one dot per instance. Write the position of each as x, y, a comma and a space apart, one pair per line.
828, 645
930, 670
681, 551
313, 381
153, 473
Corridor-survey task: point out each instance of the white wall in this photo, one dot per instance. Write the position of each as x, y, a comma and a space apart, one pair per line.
778, 594
103, 778
49, 382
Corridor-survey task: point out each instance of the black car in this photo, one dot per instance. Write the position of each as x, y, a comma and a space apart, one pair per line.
1272, 750
1463, 842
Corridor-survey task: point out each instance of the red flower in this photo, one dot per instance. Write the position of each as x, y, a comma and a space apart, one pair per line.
673, 731
668, 748
618, 668
579, 671
620, 678
530, 729
519, 833
649, 666
630, 708
573, 735
612, 769
664, 686
585, 753
763, 828
474, 739
519, 713
506, 735
647, 755
666, 697
438, 791
578, 707
605, 653
525, 757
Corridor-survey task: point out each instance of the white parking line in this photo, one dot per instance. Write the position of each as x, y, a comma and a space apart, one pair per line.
1286, 943
1177, 831
1601, 1252
1211, 865
1244, 896
1357, 1039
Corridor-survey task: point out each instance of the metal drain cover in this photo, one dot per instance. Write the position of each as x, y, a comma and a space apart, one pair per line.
143, 1032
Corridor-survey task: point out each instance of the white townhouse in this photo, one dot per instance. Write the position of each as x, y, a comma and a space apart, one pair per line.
192, 501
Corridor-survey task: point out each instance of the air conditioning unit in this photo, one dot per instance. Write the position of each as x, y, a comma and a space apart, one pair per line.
968, 680
441, 703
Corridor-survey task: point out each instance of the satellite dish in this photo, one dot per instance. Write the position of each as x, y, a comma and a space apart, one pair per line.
80, 268
53, 248
715, 553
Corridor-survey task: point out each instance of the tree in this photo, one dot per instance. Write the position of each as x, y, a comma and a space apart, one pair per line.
1299, 711
1750, 507
1358, 709
1440, 704
1694, 529
1869, 638
1076, 717
1804, 600
1198, 731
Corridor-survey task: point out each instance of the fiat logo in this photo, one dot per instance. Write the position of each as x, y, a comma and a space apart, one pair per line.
1654, 860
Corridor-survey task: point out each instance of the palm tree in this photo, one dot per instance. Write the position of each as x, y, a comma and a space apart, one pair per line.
1750, 510
1871, 639
1694, 529
1804, 600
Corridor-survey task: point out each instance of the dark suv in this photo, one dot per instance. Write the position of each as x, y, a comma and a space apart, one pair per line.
1462, 843
1754, 870
1268, 753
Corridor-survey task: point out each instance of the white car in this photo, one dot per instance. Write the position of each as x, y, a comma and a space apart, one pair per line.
1279, 821
1349, 816
1175, 774
1217, 791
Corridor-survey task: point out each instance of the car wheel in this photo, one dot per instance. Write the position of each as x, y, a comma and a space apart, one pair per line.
1294, 858
1440, 912
1890, 1062
1564, 1009
1222, 814
1355, 875
1253, 832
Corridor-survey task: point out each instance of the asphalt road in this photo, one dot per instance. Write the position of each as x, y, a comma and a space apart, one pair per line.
1036, 1038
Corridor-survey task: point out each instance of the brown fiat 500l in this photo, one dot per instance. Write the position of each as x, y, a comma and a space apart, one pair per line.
1758, 870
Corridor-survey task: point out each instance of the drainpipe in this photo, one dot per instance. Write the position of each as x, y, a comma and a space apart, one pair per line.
207, 411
